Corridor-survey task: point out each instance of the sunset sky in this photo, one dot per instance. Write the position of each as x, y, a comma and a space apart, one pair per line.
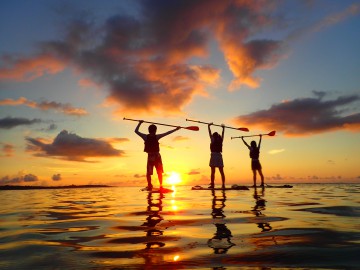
70, 71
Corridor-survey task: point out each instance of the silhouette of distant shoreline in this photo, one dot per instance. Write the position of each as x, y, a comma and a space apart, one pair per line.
11, 187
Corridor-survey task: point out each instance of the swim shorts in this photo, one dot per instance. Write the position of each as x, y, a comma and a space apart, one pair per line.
216, 160
154, 159
255, 164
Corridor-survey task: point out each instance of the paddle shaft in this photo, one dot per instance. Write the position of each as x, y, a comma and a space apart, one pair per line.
200, 122
252, 136
161, 124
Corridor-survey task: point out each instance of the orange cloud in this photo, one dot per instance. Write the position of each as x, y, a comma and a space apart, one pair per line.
45, 106
27, 69
8, 149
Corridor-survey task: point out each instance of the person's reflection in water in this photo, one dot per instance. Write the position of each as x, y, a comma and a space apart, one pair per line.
154, 209
221, 241
260, 204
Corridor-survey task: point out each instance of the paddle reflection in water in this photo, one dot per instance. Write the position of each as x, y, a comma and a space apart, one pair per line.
221, 241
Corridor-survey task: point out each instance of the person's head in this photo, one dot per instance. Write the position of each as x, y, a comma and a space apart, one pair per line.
152, 129
216, 135
253, 144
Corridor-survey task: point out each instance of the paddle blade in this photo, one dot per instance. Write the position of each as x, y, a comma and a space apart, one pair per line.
193, 128
243, 129
272, 133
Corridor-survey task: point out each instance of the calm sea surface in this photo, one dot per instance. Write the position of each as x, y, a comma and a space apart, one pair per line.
306, 227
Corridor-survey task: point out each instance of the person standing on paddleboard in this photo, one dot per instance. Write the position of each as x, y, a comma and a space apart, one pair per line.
255, 163
216, 159
151, 141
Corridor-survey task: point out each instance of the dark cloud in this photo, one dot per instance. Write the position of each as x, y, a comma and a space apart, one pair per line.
56, 177
11, 122
304, 116
19, 179
30, 178
51, 127
72, 147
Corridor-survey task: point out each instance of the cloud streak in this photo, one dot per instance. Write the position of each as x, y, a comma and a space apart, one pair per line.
306, 116
70, 146
12, 122
45, 106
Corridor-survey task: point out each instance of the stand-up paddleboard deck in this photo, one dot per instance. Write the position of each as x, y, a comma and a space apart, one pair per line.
220, 188
240, 187
158, 190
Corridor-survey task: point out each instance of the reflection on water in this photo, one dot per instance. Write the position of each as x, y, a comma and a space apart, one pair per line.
124, 228
154, 209
221, 241
260, 204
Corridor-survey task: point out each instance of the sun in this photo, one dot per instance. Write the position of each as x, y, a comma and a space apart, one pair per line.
174, 178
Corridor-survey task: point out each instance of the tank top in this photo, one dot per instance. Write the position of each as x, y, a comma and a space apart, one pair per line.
151, 144
254, 153
216, 145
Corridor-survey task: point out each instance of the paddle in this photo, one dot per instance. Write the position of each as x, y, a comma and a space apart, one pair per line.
271, 133
193, 128
200, 122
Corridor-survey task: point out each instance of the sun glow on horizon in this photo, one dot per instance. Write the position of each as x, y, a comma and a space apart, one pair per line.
173, 179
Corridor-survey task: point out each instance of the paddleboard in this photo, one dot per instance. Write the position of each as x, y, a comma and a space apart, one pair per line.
237, 187
278, 186
219, 188
158, 190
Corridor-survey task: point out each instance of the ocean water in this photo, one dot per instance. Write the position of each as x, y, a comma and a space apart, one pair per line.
311, 226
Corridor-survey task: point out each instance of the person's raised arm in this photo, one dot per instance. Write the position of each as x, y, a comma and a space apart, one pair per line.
209, 129
142, 135
248, 146
259, 141
158, 136
223, 132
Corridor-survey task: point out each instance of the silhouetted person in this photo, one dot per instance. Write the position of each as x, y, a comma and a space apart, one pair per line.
216, 159
152, 148
254, 155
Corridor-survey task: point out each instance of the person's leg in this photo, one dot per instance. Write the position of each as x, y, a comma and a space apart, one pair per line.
149, 172
160, 176
159, 169
221, 169
148, 178
254, 177
262, 177
212, 176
